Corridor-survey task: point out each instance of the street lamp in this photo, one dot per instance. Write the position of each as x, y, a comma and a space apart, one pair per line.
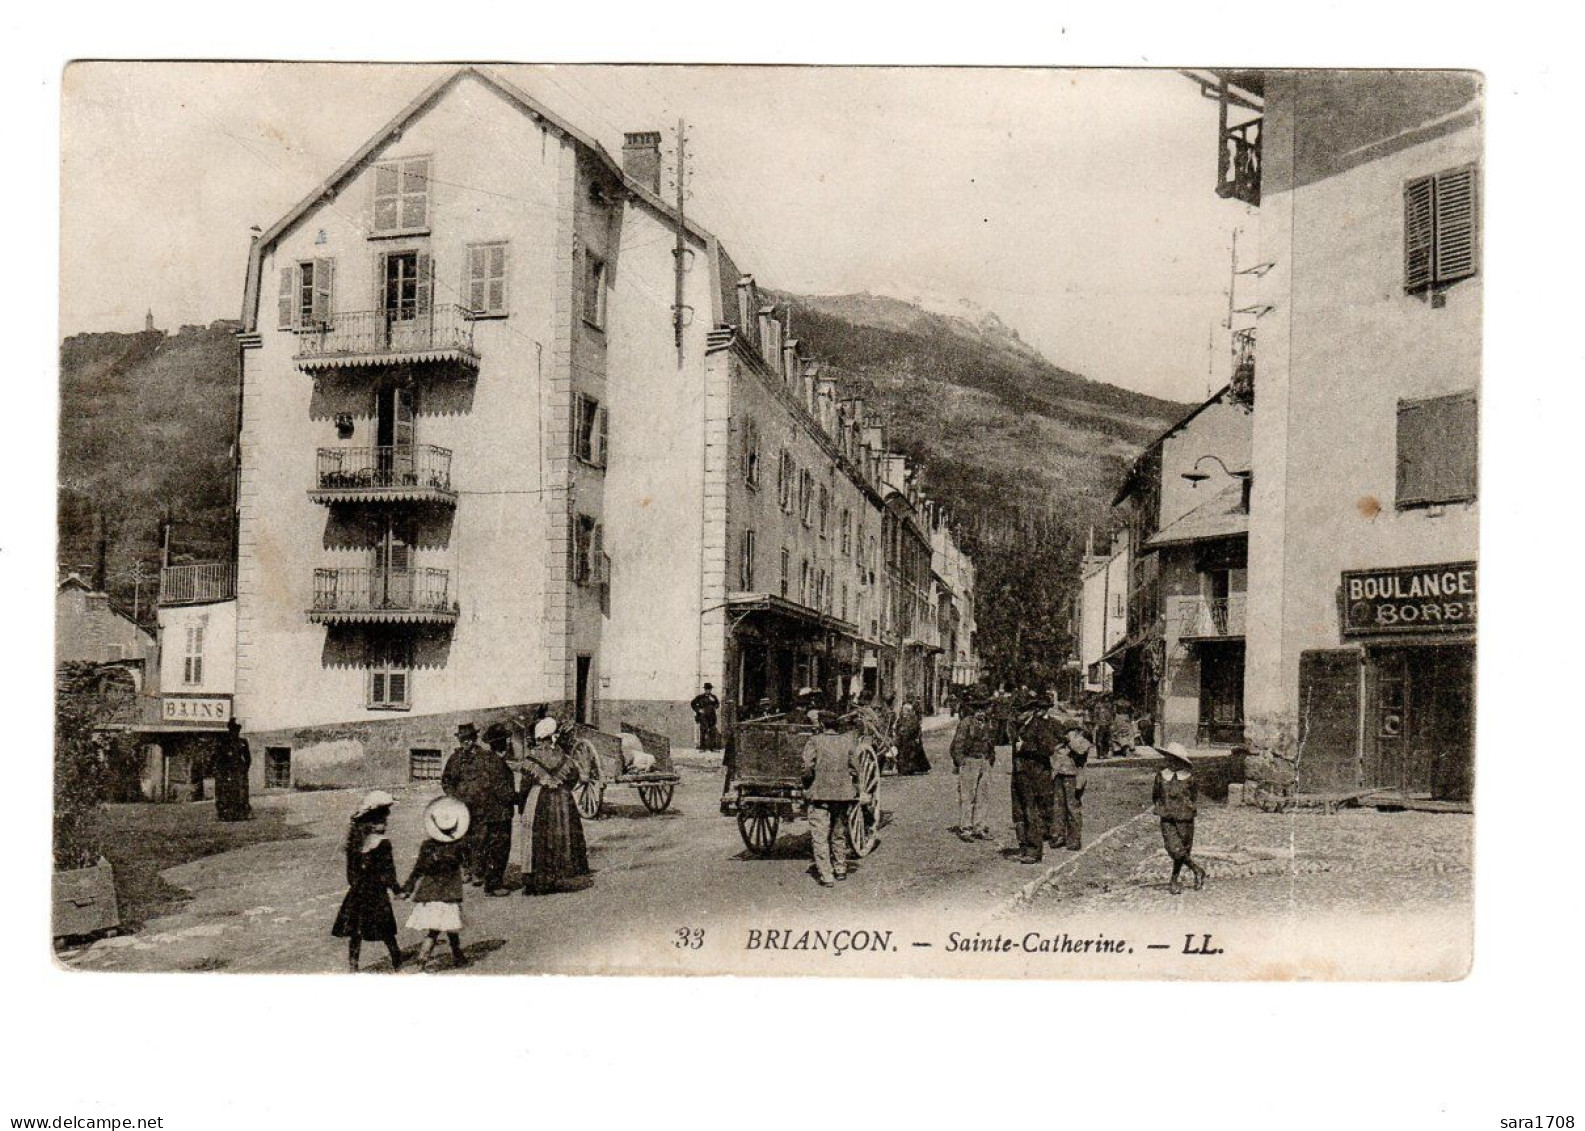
1195, 476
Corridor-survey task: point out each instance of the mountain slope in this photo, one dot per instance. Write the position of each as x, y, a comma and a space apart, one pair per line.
146, 426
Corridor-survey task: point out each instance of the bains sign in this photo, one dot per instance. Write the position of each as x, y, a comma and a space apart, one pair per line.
1432, 598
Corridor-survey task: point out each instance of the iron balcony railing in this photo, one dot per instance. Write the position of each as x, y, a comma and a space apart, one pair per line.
383, 595
1201, 618
1238, 166
382, 337
198, 583
408, 471
1243, 381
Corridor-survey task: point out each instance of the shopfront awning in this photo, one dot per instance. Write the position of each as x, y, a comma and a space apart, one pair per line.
744, 604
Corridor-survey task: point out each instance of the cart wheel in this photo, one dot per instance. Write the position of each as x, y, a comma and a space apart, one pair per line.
758, 827
588, 797
864, 815
655, 797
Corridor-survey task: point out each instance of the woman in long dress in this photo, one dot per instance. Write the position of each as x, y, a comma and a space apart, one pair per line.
551, 846
911, 757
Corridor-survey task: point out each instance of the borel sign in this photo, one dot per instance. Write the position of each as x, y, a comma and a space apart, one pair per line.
1409, 599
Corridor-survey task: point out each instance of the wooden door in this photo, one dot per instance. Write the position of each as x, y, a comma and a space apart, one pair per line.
395, 408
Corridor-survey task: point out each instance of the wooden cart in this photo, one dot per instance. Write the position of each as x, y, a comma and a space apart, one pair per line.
599, 756
769, 785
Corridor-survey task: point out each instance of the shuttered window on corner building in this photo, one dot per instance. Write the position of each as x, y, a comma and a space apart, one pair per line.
1438, 450
307, 295
485, 285
1441, 228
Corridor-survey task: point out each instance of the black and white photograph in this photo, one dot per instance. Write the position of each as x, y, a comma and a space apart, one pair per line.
944, 522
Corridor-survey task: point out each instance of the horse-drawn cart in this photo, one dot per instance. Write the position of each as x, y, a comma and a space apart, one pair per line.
769, 783
602, 759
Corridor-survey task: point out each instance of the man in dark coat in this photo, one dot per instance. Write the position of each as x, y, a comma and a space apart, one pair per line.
1035, 742
706, 711
1073, 751
233, 760
479, 777
1103, 715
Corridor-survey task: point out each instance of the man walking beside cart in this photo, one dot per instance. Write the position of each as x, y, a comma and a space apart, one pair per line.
831, 787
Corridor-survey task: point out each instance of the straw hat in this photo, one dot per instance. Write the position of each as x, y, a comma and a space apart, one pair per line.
373, 801
1175, 753
446, 819
545, 728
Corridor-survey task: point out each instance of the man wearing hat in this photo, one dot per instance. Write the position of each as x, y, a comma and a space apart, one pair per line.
706, 709
1035, 740
479, 777
831, 785
1073, 750
973, 754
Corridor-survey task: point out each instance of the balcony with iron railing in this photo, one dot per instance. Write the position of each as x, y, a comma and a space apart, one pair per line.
357, 339
383, 596
407, 473
1204, 618
1238, 165
1243, 380
198, 583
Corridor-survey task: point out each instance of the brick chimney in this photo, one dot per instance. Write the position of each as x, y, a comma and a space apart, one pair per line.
641, 158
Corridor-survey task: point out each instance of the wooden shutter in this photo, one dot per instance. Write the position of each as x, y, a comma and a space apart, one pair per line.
1419, 233
496, 292
1438, 450
1456, 230
387, 198
284, 315
475, 282
1329, 706
426, 283
602, 436
382, 301
324, 287
415, 193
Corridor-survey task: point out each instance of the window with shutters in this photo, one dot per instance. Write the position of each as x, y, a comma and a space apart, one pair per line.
193, 658
592, 431
825, 510
751, 453
594, 290
806, 493
786, 570
307, 299
390, 673
745, 563
585, 539
847, 533
485, 286
1441, 228
406, 285
1438, 446
786, 474
803, 582
401, 197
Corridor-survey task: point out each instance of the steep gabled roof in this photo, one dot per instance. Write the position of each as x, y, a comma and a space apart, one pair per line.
1133, 471
515, 96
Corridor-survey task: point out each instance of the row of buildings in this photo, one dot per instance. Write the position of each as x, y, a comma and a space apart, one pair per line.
1293, 564
512, 432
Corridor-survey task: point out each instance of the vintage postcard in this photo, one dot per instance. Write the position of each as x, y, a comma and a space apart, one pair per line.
895, 522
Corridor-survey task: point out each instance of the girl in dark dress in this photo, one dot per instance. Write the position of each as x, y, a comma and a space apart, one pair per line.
551, 841
371, 879
436, 882
911, 757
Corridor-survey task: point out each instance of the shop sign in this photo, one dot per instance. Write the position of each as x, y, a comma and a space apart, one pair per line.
189, 710
1409, 599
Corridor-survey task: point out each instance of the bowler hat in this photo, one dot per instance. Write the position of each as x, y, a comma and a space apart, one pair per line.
446, 819
497, 732
467, 730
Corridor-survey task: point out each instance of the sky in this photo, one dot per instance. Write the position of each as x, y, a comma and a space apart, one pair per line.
1078, 205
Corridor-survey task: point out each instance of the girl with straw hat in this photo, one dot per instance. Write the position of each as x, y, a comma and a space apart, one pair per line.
365, 912
436, 881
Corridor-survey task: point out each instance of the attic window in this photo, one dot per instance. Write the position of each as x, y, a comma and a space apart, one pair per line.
401, 196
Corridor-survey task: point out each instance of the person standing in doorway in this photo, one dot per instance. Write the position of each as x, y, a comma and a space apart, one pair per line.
706, 712
973, 755
831, 786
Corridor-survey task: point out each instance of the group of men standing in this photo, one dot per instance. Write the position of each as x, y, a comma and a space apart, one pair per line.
1050, 751
478, 775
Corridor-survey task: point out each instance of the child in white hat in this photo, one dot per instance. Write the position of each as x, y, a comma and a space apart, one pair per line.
365, 912
436, 881
1173, 797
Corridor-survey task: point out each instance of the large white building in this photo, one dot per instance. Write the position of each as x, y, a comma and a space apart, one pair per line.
480, 469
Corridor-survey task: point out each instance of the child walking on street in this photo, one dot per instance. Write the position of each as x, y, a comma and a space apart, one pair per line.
1174, 796
371, 879
436, 881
